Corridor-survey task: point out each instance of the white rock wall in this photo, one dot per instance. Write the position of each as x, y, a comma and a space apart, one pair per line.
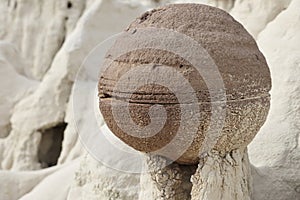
14, 87
89, 33
95, 181
46, 107
256, 14
276, 150
15, 185
38, 29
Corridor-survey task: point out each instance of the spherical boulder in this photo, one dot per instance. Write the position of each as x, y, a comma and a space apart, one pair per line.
242, 68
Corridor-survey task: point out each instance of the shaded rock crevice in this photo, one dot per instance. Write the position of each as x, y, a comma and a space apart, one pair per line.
51, 145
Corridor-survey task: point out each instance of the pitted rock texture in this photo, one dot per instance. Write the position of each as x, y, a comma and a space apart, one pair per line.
242, 67
166, 183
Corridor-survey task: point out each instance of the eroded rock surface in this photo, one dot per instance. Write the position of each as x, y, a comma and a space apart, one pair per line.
54, 36
275, 150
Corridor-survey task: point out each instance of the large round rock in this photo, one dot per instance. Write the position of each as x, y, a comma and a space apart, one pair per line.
242, 66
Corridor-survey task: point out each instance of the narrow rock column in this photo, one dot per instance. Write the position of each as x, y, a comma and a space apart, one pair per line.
169, 183
223, 177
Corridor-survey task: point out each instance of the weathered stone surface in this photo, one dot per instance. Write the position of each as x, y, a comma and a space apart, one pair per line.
223, 177
256, 14
15, 185
45, 109
59, 182
275, 151
172, 182
93, 180
14, 86
242, 67
38, 29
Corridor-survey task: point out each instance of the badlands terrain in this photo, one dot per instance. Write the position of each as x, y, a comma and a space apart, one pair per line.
43, 44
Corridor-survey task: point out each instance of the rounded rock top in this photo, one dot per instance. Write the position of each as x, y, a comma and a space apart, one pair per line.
242, 67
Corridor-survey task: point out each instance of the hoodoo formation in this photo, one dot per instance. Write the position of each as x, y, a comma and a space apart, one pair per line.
242, 67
